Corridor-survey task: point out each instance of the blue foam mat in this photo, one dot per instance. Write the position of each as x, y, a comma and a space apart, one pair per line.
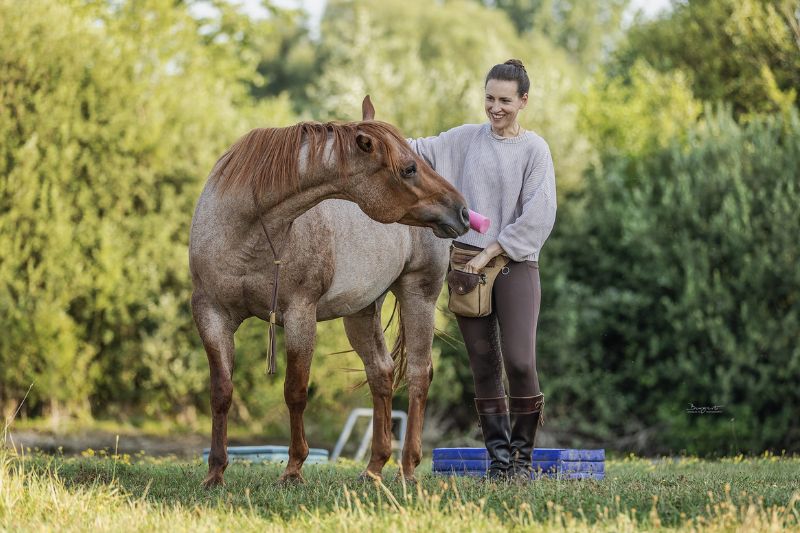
559, 475
539, 454
248, 450
260, 454
544, 466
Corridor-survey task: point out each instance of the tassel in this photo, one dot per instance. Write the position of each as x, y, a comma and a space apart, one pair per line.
271, 349
541, 413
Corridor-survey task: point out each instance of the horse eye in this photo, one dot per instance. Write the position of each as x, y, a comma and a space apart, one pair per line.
409, 171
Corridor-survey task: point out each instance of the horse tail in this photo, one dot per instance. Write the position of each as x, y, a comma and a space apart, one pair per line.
398, 353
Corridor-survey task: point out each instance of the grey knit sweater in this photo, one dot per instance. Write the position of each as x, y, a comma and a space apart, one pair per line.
511, 181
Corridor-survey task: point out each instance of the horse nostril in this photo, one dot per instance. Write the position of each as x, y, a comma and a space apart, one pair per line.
465, 216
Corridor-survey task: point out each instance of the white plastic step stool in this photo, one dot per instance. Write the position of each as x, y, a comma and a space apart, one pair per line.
357, 413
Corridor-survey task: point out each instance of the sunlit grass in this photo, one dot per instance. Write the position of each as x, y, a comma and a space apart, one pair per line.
105, 492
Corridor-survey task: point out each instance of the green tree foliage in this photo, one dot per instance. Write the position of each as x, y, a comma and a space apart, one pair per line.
681, 287
279, 45
638, 116
744, 52
289, 60
585, 29
111, 115
425, 65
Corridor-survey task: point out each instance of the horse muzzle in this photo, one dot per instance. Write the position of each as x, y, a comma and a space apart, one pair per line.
446, 222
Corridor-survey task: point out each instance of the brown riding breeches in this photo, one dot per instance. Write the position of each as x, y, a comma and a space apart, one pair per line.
506, 337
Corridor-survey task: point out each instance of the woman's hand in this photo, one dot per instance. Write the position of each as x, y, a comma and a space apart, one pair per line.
477, 263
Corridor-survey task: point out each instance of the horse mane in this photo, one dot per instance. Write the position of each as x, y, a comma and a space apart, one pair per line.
267, 159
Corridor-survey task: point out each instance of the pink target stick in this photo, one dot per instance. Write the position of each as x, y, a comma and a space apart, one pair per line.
478, 222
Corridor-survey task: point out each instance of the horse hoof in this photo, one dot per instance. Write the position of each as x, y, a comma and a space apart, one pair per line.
213, 480
409, 480
366, 475
293, 478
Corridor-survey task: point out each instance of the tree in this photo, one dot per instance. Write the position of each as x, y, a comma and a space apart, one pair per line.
679, 286
425, 65
585, 29
279, 45
111, 115
745, 52
640, 115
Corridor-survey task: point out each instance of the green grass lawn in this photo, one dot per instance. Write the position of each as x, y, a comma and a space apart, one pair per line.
124, 493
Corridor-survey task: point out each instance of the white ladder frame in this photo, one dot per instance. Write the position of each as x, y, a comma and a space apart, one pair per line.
357, 413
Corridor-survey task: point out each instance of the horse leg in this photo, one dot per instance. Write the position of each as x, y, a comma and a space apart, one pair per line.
366, 337
417, 329
301, 330
216, 331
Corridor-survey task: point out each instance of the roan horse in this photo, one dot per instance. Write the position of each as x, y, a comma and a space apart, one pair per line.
335, 261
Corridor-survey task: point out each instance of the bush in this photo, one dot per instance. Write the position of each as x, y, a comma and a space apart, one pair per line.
680, 286
110, 119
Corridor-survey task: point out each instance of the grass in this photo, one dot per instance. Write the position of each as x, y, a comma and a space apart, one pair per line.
103, 493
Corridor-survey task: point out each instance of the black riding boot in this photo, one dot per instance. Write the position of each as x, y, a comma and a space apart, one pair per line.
496, 428
527, 415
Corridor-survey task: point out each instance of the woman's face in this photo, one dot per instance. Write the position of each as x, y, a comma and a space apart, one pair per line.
503, 103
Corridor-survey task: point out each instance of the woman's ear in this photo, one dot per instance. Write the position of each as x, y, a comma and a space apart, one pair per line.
524, 99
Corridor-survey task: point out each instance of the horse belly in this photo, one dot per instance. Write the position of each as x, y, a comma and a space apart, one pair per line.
369, 257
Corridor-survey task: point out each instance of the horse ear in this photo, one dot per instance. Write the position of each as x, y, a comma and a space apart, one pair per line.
367, 110
364, 142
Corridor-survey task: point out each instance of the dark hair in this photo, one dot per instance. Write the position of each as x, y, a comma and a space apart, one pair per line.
511, 70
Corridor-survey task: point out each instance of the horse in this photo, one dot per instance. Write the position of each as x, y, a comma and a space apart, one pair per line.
263, 243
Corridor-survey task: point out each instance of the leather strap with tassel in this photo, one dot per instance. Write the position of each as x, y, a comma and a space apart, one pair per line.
274, 306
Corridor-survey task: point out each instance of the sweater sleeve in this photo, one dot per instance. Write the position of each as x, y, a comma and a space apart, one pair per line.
444, 148
428, 148
527, 234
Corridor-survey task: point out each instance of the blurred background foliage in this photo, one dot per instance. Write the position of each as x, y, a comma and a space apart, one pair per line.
671, 278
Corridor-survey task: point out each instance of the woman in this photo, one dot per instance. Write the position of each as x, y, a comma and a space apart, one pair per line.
505, 173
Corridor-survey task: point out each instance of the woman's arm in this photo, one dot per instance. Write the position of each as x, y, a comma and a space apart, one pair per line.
427, 148
526, 235
446, 150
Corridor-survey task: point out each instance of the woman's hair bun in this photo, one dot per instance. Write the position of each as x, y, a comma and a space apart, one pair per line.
511, 70
516, 63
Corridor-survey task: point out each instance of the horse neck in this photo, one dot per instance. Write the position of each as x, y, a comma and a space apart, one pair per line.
317, 182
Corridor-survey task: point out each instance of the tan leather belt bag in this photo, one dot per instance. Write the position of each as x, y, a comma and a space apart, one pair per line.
471, 294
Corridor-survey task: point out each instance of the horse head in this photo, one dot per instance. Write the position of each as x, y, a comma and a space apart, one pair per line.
391, 183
